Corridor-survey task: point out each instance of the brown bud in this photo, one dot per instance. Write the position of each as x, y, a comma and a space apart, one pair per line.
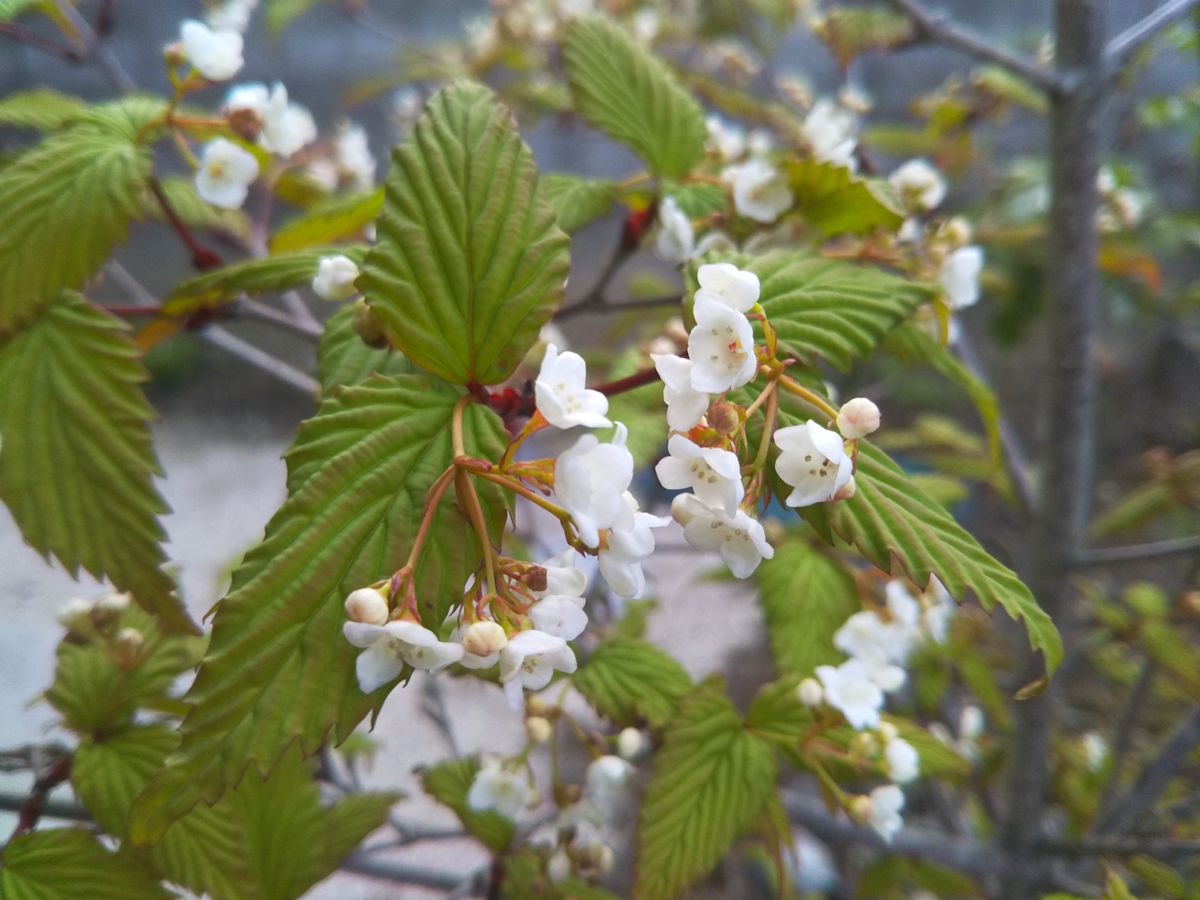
725, 417
367, 325
534, 578
245, 123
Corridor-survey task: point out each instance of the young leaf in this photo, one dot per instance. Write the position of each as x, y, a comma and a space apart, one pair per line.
834, 200
70, 862
469, 263
358, 474
449, 783
76, 462
628, 681
42, 109
577, 201
342, 218
710, 781
343, 358
622, 89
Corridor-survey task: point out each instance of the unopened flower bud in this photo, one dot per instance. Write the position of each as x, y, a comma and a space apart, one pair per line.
174, 54
127, 647
534, 578
538, 729
862, 744
846, 491
558, 868
76, 615
970, 722
593, 859
607, 775
535, 706
887, 732
367, 605
860, 807
482, 638
725, 418
245, 123
630, 743
810, 693
114, 603
857, 418
957, 232
567, 794
366, 325
676, 331
680, 509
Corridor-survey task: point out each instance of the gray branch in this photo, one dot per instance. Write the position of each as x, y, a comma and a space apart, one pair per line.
260, 359
1137, 35
1105, 555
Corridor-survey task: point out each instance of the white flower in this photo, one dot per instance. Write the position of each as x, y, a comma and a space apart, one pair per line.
225, 173
562, 397
354, 156
857, 418
114, 602
721, 347
481, 642
919, 185
558, 868
832, 133
645, 25
740, 539
590, 480
715, 475
676, 240
866, 636
685, 405
850, 690
728, 140
529, 660
813, 461
903, 761
232, 15
630, 743
217, 55
970, 722
1095, 750
959, 276
560, 615
726, 283
810, 693
286, 126
884, 815
562, 576
388, 647
759, 142
624, 549
501, 789
760, 191
904, 607
335, 277
606, 776
367, 605
252, 97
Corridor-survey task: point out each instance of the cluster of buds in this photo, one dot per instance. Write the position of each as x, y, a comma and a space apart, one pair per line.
100, 621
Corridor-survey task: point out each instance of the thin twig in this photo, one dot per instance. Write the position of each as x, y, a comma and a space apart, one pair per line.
53, 774
433, 705
95, 49
249, 308
628, 383
1157, 549
940, 28
1117, 845
260, 359
128, 282
361, 863
33, 39
605, 306
1136, 35
64, 810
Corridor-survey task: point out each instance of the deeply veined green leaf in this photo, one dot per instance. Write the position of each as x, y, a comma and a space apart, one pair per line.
469, 264
834, 200
622, 89
65, 203
629, 681
76, 462
577, 201
831, 309
279, 670
42, 109
698, 199
69, 862
776, 714
449, 783
343, 358
806, 596
711, 779
342, 218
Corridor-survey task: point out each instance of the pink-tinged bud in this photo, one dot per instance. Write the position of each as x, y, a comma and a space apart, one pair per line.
810, 693
847, 490
127, 647
538, 729
725, 418
367, 605
483, 638
857, 418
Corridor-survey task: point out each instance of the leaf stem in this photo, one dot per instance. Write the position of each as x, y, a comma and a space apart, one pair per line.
816, 400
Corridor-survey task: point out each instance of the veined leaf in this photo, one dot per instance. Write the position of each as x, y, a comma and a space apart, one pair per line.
449, 783
343, 358
76, 462
65, 202
698, 199
342, 218
577, 201
711, 779
70, 862
41, 108
279, 670
622, 89
629, 681
469, 263
836, 201
806, 596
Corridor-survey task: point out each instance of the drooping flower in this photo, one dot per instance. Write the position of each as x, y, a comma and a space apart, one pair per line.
850, 690
386, 649
335, 277
215, 54
606, 776
560, 615
225, 174
919, 185
813, 461
481, 642
624, 549
713, 474
725, 282
959, 276
590, 479
685, 405
903, 761
884, 815
563, 398
857, 418
760, 191
354, 158
721, 347
529, 660
676, 240
832, 133
739, 539
367, 605
501, 789
286, 126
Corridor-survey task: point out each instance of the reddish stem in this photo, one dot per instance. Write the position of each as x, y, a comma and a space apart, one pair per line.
31, 809
629, 383
202, 257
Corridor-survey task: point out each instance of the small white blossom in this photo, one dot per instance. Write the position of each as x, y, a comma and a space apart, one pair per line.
501, 789
217, 55
810, 693
114, 602
606, 776
367, 605
919, 185
286, 126
739, 539
560, 615
959, 276
970, 722
726, 283
903, 761
850, 690
335, 277
676, 240
232, 15
562, 396
728, 140
884, 815
646, 25
225, 174
867, 636
857, 418
624, 549
558, 867
721, 347
251, 97
563, 576
935, 617
904, 607
715, 475
529, 660
590, 480
760, 191
631, 743
388, 647
813, 461
1095, 750
354, 157
832, 133
685, 405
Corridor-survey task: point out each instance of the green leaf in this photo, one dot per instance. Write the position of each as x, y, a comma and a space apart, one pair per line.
280, 13
806, 596
622, 89
65, 202
10, 9
835, 201
628, 680
852, 31
342, 218
42, 109
831, 309
710, 781
776, 714
70, 862
449, 783
469, 263
76, 462
358, 474
577, 201
194, 211
698, 199
343, 358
